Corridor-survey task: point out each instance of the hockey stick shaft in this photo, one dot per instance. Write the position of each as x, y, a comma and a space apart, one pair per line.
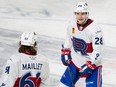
70, 73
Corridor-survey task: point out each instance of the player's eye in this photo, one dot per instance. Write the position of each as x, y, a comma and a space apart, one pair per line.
76, 13
84, 13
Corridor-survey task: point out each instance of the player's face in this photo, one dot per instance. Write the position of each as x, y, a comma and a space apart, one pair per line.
81, 17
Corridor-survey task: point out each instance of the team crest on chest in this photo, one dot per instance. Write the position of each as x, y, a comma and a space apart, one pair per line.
73, 30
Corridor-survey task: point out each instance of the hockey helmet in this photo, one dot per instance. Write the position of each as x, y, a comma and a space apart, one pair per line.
28, 38
81, 7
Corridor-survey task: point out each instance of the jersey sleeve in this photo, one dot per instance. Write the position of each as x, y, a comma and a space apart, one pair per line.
9, 74
97, 43
45, 73
68, 41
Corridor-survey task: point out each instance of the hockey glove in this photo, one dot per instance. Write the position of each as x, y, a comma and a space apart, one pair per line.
65, 56
87, 69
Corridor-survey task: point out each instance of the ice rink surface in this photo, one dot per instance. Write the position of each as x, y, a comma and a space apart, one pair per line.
49, 19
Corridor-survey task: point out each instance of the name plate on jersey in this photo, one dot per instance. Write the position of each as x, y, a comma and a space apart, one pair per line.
31, 66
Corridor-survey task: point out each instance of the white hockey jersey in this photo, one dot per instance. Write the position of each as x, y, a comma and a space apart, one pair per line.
23, 70
86, 42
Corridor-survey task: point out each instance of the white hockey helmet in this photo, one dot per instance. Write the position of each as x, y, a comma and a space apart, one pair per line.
81, 7
28, 38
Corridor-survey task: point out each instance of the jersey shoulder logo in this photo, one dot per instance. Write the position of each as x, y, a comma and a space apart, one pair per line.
73, 30
7, 69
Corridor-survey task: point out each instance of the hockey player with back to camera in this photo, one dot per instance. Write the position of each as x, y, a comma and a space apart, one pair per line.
83, 48
26, 68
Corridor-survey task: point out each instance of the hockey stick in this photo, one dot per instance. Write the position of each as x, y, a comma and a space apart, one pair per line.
70, 72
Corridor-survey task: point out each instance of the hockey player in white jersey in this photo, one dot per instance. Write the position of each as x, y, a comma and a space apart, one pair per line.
83, 47
26, 68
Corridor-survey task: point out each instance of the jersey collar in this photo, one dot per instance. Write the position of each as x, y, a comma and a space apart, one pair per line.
82, 27
27, 53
